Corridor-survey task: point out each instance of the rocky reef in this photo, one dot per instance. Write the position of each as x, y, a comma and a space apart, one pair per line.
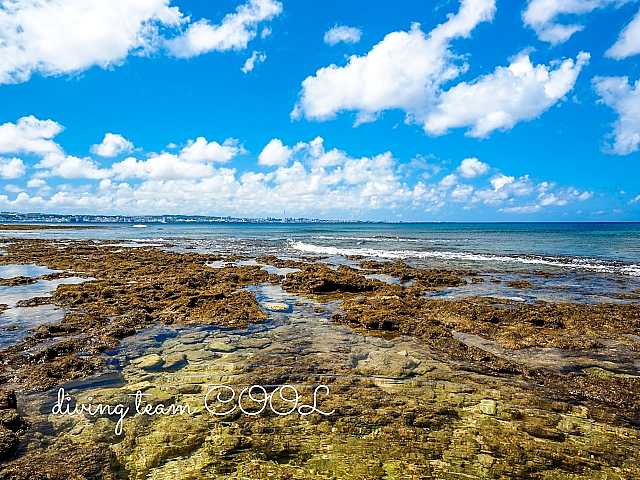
421, 387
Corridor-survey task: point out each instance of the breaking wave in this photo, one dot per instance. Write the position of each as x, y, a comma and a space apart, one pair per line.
561, 262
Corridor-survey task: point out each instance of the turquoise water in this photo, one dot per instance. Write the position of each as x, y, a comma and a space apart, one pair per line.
609, 248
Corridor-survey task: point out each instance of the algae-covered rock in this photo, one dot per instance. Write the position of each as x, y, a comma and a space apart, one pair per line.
148, 362
77, 463
219, 346
174, 360
488, 407
8, 443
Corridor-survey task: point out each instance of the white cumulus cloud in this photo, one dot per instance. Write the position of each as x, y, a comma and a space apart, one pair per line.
68, 166
404, 71
543, 15
112, 145
57, 37
624, 99
342, 34
165, 166
472, 168
203, 151
195, 161
234, 33
11, 168
275, 154
505, 97
54, 37
36, 183
448, 181
628, 42
500, 181
30, 135
306, 179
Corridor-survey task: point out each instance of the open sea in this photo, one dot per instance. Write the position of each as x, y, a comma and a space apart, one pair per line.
609, 248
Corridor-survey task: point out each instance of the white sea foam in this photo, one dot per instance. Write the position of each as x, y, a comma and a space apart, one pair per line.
577, 263
391, 239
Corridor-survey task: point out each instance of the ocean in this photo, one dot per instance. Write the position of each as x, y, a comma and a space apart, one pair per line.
607, 248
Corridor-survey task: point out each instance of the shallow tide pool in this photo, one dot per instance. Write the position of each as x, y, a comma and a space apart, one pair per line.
397, 410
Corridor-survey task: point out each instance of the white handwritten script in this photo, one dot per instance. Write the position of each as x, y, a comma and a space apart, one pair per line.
220, 400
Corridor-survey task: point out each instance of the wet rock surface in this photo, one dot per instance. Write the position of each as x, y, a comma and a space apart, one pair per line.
15, 281
563, 326
11, 424
319, 279
521, 284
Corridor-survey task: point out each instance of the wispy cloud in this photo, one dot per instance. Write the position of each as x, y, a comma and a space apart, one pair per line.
255, 59
628, 43
342, 34
543, 16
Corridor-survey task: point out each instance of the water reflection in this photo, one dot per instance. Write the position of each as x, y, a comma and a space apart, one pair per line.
15, 322
42, 288
31, 270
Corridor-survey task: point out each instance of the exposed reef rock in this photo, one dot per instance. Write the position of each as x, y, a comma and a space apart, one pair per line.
521, 284
16, 281
318, 278
427, 278
11, 425
136, 288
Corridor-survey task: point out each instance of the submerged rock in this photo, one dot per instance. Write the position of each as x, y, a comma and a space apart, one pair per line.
174, 360
488, 407
70, 463
148, 362
276, 306
218, 346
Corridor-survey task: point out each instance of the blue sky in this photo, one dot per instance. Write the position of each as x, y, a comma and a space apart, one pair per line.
471, 110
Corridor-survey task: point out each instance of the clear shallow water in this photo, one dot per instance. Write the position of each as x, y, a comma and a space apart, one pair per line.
15, 322
42, 288
399, 410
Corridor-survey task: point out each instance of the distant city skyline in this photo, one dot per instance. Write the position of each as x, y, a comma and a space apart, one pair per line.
457, 110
